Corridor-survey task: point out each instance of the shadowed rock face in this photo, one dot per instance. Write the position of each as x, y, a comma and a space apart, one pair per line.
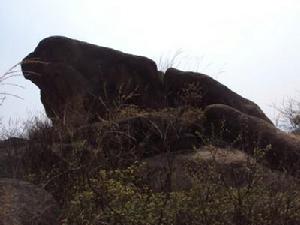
139, 137
201, 90
83, 81
77, 76
230, 124
22, 203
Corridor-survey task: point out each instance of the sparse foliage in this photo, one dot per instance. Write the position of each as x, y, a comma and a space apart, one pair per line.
4, 81
165, 63
98, 174
93, 190
288, 115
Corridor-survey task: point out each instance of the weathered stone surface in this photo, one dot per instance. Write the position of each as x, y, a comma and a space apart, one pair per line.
75, 76
177, 171
249, 132
81, 81
200, 90
135, 138
22, 203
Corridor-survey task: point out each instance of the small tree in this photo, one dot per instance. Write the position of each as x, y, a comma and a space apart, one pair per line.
289, 115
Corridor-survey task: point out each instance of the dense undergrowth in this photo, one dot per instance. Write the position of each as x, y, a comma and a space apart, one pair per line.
98, 175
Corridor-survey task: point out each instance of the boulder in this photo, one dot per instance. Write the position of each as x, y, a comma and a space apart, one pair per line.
22, 203
200, 90
78, 79
131, 139
182, 170
172, 171
250, 133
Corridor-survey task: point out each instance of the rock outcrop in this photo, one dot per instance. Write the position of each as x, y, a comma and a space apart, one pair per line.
121, 128
249, 133
75, 76
139, 137
84, 81
22, 203
172, 171
200, 90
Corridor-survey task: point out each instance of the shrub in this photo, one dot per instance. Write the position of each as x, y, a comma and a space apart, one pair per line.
98, 177
121, 197
288, 115
92, 191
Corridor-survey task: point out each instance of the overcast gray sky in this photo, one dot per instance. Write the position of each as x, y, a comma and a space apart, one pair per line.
253, 47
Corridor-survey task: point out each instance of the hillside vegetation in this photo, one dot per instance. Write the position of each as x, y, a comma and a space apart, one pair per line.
128, 144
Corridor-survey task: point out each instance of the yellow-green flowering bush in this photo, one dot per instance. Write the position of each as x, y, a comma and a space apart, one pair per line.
120, 197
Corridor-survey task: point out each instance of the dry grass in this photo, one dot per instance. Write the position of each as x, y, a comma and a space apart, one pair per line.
99, 174
205, 185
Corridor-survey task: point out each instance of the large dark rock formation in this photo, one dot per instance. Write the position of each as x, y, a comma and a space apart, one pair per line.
85, 81
75, 76
22, 203
201, 90
249, 133
123, 110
